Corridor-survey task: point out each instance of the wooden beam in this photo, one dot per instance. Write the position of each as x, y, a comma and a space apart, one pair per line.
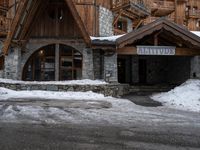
179, 51
14, 25
79, 22
117, 18
29, 19
138, 25
41, 9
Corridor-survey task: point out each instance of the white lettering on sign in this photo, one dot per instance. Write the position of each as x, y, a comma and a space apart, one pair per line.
156, 50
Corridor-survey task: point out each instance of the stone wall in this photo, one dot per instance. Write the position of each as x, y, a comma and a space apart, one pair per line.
105, 22
98, 64
195, 67
115, 90
88, 68
129, 25
110, 68
12, 68
1, 73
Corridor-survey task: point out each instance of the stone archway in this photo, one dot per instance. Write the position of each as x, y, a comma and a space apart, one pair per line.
53, 62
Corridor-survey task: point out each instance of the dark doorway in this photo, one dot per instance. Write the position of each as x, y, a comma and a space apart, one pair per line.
142, 71
121, 63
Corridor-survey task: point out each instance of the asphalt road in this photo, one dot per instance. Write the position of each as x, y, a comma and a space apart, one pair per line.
94, 137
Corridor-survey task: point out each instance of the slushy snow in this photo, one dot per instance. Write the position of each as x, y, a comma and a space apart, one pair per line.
184, 97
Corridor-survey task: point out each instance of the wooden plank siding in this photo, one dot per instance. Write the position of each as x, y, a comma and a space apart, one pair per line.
49, 27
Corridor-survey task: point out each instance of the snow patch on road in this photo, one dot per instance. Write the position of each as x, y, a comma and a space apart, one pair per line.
184, 97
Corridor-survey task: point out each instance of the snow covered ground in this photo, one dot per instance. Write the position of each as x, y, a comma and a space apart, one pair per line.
6, 94
184, 97
74, 82
93, 108
69, 107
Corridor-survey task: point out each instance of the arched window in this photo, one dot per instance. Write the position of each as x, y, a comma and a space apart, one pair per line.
41, 66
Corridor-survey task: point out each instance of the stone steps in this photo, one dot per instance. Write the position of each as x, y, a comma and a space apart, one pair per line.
146, 90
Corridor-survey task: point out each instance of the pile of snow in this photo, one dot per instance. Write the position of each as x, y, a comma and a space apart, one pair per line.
109, 38
184, 97
71, 82
6, 94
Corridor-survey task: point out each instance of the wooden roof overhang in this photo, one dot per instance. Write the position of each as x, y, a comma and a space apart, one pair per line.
27, 11
178, 33
104, 45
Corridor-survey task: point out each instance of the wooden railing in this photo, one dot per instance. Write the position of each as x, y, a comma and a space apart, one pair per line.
194, 13
142, 4
163, 4
5, 24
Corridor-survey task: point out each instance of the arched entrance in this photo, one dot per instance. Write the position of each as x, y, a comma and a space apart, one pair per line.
54, 62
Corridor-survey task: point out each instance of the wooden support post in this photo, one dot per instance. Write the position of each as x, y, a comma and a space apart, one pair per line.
156, 40
138, 25
176, 19
117, 18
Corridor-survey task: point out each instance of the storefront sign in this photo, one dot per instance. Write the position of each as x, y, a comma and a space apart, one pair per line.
156, 50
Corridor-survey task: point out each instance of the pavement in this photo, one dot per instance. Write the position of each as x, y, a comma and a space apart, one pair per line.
142, 100
90, 137
147, 128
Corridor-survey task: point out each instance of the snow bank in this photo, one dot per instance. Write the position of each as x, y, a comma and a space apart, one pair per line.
72, 82
6, 94
185, 97
109, 38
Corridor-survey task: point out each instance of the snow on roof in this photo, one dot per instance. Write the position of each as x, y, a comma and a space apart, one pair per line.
109, 38
196, 33
72, 82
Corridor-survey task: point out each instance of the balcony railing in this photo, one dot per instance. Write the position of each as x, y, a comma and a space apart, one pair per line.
140, 4
162, 4
5, 24
194, 13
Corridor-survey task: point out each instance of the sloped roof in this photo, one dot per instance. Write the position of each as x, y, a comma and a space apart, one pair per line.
25, 13
160, 24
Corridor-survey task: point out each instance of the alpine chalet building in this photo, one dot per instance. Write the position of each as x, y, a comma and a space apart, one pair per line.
137, 42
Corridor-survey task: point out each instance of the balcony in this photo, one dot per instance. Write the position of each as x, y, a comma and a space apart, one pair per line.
194, 14
132, 8
162, 8
5, 24
152, 19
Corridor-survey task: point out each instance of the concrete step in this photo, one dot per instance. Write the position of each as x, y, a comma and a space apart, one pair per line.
145, 90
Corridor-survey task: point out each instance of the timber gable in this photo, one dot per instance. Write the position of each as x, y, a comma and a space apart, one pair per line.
31, 20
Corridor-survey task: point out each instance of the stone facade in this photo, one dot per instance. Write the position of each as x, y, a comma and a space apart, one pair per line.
105, 22
195, 67
1, 74
110, 68
88, 69
115, 90
129, 25
12, 66
98, 64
